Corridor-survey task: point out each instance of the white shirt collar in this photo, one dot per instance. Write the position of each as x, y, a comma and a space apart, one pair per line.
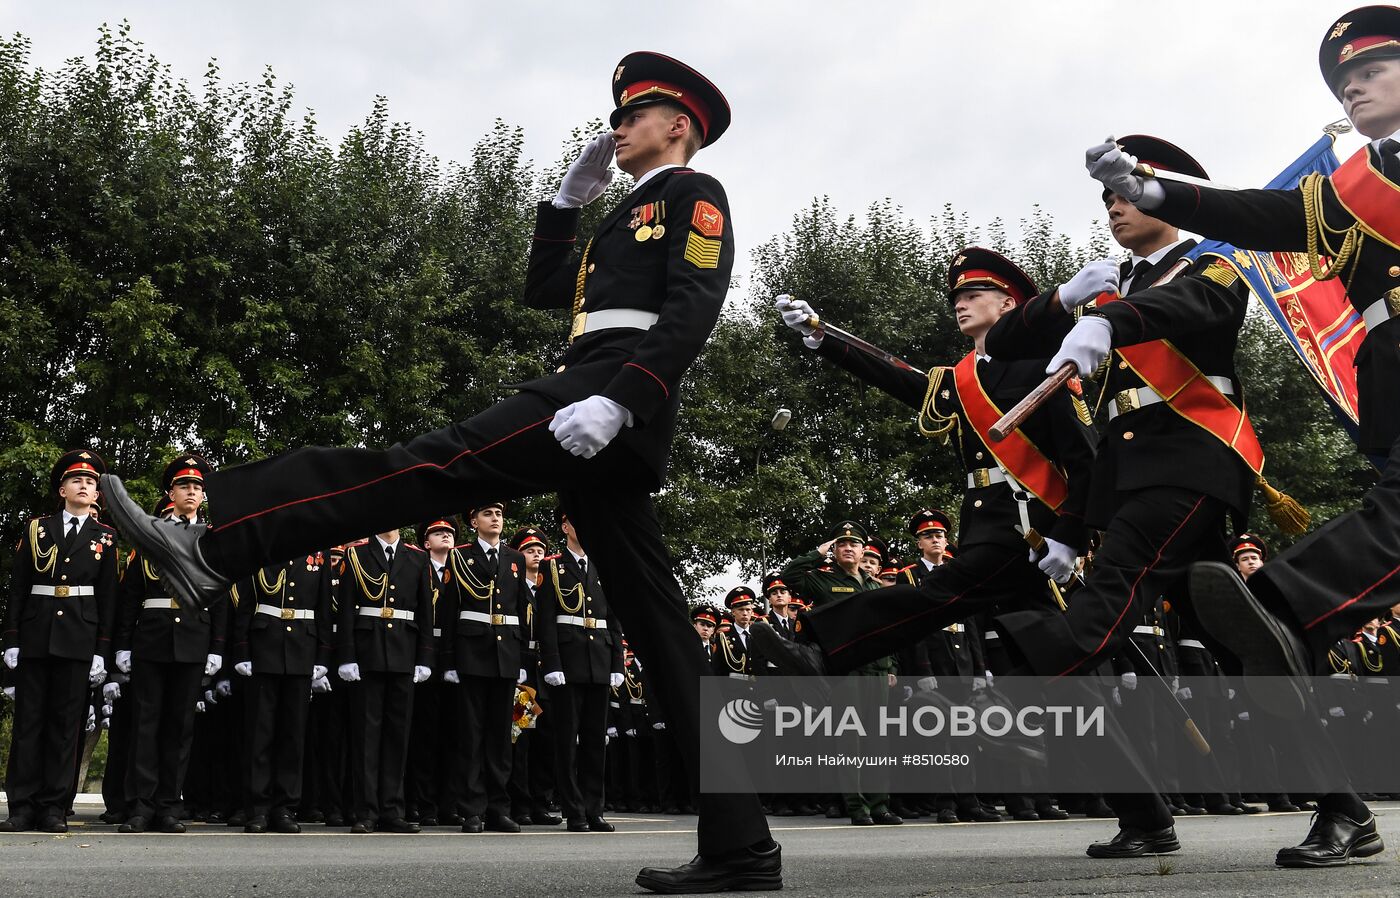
383, 545
580, 559
1159, 255
1379, 140
653, 173
485, 546
929, 565
69, 517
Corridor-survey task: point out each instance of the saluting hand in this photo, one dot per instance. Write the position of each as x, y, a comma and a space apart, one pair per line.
1116, 170
589, 175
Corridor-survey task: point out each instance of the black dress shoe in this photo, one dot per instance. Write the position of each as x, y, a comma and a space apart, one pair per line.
285, 825
256, 825
1333, 839
133, 825
544, 818
362, 827
1276, 662
834, 811
747, 869
335, 818
16, 825
237, 818
398, 825
214, 818
520, 817
500, 823
947, 815
169, 824
472, 824
52, 825
310, 817
114, 817
428, 821
1099, 808
452, 819
979, 815
793, 659
1025, 814
862, 820
1050, 812
173, 546
1224, 810
599, 825
886, 818
1284, 807
1248, 808
578, 826
1192, 810
1136, 843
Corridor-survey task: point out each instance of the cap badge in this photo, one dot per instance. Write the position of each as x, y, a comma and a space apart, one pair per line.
1337, 31
617, 76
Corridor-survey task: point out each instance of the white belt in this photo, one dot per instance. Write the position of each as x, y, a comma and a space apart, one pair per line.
1380, 681
286, 613
495, 619
990, 635
588, 623
62, 592
954, 628
1137, 397
1190, 643
739, 676
437, 631
533, 645
169, 604
1376, 314
985, 477
604, 319
387, 613
1145, 630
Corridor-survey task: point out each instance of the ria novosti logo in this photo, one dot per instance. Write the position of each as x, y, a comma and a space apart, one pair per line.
740, 721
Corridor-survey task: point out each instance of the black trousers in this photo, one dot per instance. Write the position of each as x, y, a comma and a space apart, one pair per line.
162, 733
484, 753
425, 757
118, 754
50, 706
580, 730
297, 503
380, 706
1344, 573
275, 710
329, 731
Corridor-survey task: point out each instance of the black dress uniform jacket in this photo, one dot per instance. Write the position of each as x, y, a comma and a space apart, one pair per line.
166, 635
478, 648
72, 627
377, 643
585, 654
284, 643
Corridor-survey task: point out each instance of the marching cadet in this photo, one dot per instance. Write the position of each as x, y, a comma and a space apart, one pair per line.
58, 628
432, 739
1297, 605
532, 765
383, 649
487, 601
168, 649
581, 656
282, 642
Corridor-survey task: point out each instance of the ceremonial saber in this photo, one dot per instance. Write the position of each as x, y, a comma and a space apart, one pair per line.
1148, 171
863, 345
1192, 732
1034, 400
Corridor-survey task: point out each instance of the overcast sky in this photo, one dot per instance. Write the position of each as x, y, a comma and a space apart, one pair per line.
985, 105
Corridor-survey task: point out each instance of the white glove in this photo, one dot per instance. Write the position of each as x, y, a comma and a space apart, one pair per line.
98, 671
908, 693
1336, 712
658, 725
450, 676
318, 671
210, 697
1113, 168
1099, 276
1184, 693
421, 673
199, 706
320, 685
91, 720
1087, 344
350, 673
9, 692
927, 684
1129, 681
556, 678
111, 692
223, 688
1229, 693
521, 677
1243, 715
11, 658
990, 678
979, 683
1058, 562
1117, 697
245, 669
612, 732
107, 710
212, 664
631, 732
770, 704
615, 680
589, 175
106, 723
586, 427
796, 313
124, 660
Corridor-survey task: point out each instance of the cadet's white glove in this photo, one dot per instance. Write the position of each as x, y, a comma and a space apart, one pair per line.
350, 673
1099, 276
589, 175
318, 671
927, 684
111, 692
615, 680
421, 673
556, 678
98, 671
796, 313
1129, 681
979, 683
1087, 344
586, 427
124, 660
106, 723
1336, 712
223, 688
908, 693
107, 710
612, 732
1230, 693
245, 669
991, 680
450, 676
320, 685
770, 704
1058, 562
1117, 697
631, 732
1243, 715
1184, 693
212, 664
1113, 168
659, 725
91, 720
11, 658
9, 692
199, 707
521, 677
210, 698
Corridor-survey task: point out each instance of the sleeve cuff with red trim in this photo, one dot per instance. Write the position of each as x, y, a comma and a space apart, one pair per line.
638, 390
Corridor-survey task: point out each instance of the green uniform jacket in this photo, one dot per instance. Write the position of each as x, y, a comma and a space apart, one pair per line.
823, 582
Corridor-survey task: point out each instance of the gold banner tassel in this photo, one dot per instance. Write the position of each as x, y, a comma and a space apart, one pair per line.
1289, 516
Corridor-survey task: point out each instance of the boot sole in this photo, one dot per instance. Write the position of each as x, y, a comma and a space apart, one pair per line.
749, 882
1273, 674
1148, 850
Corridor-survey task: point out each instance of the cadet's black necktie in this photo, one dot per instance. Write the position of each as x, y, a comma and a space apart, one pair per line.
71, 535
389, 556
1390, 161
583, 567
491, 560
1134, 280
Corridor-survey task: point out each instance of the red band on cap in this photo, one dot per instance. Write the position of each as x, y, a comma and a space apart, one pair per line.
81, 467
188, 474
1352, 48
653, 89
971, 277
931, 525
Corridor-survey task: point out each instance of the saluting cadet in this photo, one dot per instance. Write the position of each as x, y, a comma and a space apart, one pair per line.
532, 764
1321, 589
645, 294
58, 628
486, 603
282, 642
432, 742
168, 650
383, 647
